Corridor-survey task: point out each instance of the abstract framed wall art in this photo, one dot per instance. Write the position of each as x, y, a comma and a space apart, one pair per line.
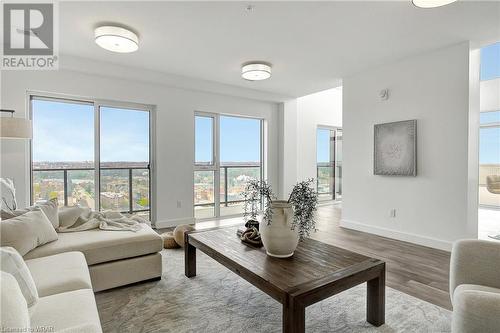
395, 148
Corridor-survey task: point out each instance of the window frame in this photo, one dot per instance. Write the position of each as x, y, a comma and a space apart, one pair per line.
97, 104
335, 129
216, 165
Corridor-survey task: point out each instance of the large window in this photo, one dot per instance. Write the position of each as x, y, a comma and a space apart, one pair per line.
91, 154
329, 163
63, 152
228, 152
489, 131
489, 157
489, 143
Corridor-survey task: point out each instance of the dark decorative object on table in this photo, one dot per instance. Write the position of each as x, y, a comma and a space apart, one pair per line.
252, 223
251, 236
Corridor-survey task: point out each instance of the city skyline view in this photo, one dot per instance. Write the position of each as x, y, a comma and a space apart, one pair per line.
63, 156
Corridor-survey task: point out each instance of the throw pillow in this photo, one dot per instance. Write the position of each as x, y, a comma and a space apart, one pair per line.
15, 315
27, 231
49, 207
11, 262
69, 215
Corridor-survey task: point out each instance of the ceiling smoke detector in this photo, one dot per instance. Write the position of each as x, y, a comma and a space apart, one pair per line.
116, 39
256, 71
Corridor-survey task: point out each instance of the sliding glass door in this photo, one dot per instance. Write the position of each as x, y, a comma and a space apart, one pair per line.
205, 166
240, 160
91, 154
124, 159
63, 156
228, 152
329, 163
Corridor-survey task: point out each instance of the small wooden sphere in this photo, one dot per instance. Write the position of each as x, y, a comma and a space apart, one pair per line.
169, 240
179, 233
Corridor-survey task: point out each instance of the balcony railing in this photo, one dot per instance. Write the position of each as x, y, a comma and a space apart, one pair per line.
124, 189
230, 182
324, 179
486, 198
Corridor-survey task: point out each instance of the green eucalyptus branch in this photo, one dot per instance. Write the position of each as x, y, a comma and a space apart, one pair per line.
257, 191
304, 201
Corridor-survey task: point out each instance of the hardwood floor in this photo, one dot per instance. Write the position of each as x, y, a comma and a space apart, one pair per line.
417, 270
413, 269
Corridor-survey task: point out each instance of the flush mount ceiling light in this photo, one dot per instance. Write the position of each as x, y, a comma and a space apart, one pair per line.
116, 39
431, 3
256, 71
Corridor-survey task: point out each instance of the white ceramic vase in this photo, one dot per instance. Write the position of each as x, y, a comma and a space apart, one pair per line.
278, 237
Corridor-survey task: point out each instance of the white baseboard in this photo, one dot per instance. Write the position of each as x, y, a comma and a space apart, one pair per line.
402, 236
173, 222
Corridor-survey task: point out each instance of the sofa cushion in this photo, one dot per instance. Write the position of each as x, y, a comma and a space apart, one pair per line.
103, 245
475, 309
66, 310
60, 273
49, 207
11, 262
473, 287
27, 231
117, 273
68, 215
15, 316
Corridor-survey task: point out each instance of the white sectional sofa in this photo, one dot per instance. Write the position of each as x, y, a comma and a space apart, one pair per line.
66, 268
115, 258
475, 286
66, 301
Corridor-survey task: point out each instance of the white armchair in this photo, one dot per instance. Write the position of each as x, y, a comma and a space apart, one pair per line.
475, 286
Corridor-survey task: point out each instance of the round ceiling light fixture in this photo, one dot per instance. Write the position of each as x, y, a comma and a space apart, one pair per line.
256, 71
431, 3
116, 39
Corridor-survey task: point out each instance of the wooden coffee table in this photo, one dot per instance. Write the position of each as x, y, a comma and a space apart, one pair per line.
315, 272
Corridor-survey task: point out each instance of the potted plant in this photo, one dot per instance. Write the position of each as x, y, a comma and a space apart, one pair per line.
284, 222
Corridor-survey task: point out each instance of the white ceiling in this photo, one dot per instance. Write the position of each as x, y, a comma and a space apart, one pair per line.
311, 45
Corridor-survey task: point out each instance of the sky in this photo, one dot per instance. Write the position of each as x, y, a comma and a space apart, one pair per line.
239, 139
323, 145
490, 62
64, 132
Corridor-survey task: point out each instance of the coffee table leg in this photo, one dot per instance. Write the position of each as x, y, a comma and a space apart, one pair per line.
294, 315
375, 304
189, 258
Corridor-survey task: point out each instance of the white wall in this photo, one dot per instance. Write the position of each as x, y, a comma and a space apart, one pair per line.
322, 108
299, 120
174, 128
288, 147
433, 208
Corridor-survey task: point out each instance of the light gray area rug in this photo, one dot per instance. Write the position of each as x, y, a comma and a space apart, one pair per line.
217, 300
